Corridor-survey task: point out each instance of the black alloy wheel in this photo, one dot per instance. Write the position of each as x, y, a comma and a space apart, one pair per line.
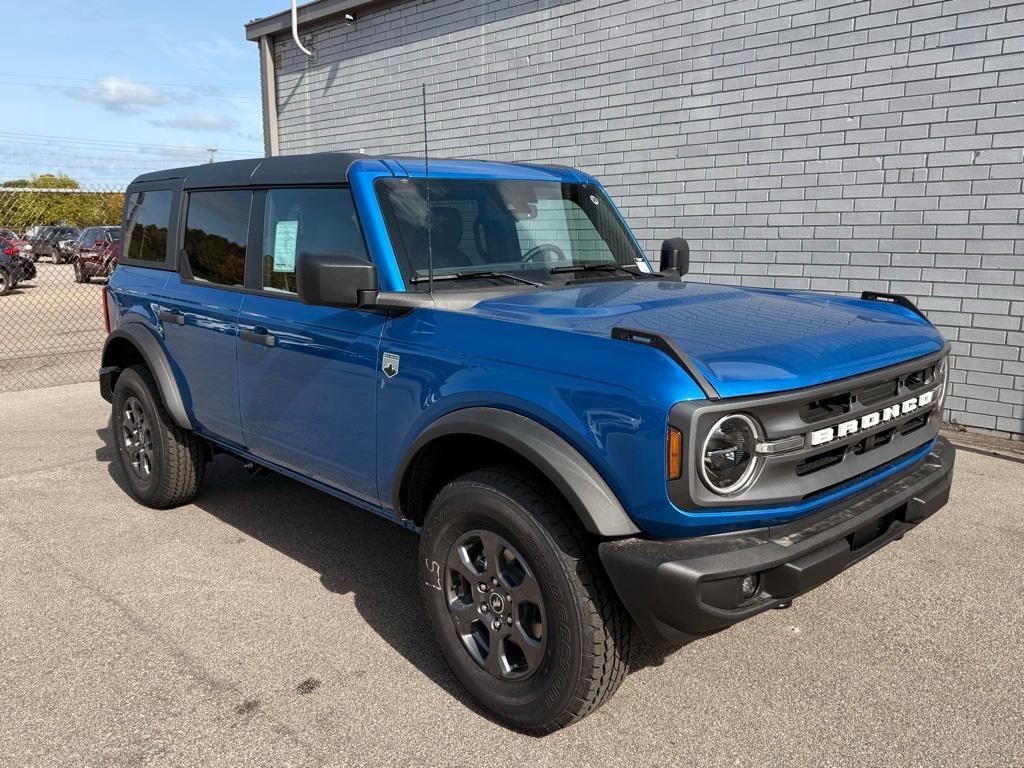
496, 605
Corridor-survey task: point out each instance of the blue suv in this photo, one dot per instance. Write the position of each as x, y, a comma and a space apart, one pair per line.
482, 352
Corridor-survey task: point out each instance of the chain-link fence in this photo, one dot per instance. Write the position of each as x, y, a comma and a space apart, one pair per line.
57, 247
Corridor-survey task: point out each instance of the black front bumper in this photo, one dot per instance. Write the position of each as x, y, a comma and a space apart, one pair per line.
683, 589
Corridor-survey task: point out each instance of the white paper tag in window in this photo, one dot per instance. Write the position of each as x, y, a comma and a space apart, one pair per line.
285, 236
643, 266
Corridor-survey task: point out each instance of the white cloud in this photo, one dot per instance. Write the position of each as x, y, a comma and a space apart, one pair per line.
118, 94
198, 123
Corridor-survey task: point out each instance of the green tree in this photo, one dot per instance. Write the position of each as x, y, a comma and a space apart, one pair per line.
21, 208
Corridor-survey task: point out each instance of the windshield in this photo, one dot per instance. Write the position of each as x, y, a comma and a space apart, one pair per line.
518, 232
114, 233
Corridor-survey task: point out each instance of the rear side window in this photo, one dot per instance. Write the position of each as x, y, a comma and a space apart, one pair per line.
146, 221
298, 221
216, 230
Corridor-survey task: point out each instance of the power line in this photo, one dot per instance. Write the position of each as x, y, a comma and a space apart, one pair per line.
82, 140
99, 90
36, 78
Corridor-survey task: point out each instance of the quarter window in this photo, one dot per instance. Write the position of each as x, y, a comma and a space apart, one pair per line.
146, 221
297, 221
216, 230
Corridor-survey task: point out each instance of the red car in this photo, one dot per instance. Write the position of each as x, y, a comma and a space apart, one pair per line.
96, 252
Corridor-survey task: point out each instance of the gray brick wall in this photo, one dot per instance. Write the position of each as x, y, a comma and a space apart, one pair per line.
811, 144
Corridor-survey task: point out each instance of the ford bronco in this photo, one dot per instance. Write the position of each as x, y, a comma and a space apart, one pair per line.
588, 446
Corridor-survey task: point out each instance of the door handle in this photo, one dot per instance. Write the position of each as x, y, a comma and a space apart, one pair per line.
258, 336
172, 316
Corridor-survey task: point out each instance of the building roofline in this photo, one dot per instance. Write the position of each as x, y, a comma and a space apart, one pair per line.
317, 10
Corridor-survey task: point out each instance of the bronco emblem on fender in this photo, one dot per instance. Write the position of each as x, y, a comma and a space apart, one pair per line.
389, 364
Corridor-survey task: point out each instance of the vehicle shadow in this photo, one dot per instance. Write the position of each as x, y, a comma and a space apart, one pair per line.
354, 551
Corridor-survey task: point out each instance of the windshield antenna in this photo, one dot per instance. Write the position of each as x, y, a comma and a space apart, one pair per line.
426, 178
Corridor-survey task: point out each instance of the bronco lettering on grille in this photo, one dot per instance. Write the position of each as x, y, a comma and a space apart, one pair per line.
869, 420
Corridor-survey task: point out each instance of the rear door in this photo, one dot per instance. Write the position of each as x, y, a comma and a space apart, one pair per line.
307, 376
199, 311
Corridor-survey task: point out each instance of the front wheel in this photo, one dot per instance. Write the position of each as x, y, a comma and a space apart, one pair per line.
524, 615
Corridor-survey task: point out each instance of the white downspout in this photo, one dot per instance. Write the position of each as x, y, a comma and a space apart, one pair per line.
295, 29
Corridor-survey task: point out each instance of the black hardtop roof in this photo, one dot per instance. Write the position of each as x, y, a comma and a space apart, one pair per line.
316, 168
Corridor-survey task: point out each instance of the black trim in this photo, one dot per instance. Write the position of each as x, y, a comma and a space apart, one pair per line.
679, 590
893, 298
670, 348
145, 341
576, 479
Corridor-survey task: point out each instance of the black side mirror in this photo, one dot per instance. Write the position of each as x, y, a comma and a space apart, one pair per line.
675, 255
335, 280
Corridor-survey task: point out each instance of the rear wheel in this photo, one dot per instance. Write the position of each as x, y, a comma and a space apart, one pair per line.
163, 463
519, 604
80, 273
5, 282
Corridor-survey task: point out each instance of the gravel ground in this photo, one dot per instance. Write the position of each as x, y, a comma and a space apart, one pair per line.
270, 625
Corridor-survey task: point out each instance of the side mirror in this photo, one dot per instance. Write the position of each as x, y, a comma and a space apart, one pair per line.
675, 255
335, 280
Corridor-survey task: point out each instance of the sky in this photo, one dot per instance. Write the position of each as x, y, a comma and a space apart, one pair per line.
104, 91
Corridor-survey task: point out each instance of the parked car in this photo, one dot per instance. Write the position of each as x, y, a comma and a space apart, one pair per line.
585, 442
101, 261
46, 242
11, 237
24, 270
10, 269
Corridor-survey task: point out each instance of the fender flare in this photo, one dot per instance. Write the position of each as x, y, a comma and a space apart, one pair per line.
146, 342
580, 484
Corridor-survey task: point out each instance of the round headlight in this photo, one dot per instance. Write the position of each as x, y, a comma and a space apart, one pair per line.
728, 459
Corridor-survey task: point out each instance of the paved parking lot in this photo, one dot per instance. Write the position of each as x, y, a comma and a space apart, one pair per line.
51, 329
270, 625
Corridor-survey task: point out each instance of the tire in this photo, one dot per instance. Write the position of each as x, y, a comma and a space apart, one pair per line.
5, 282
79, 273
163, 463
579, 651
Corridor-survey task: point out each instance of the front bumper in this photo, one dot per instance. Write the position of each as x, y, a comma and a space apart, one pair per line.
682, 589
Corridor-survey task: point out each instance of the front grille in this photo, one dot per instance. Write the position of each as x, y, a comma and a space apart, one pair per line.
853, 446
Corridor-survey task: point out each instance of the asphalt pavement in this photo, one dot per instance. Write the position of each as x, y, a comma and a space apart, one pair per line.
268, 624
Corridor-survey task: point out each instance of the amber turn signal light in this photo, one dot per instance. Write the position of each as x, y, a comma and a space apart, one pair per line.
675, 454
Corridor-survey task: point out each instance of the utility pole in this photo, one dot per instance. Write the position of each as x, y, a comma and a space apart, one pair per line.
212, 151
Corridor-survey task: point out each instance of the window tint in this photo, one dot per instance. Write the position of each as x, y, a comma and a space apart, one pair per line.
146, 221
216, 230
306, 221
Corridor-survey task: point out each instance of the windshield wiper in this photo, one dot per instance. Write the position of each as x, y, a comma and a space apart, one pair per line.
601, 266
473, 275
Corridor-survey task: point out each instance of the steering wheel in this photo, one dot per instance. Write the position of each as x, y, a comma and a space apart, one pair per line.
537, 250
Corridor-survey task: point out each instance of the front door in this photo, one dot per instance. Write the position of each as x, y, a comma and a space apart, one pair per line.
307, 376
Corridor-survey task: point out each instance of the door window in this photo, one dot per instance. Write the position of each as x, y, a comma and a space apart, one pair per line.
300, 221
216, 230
146, 220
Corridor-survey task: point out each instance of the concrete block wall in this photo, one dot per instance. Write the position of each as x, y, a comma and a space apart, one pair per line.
809, 144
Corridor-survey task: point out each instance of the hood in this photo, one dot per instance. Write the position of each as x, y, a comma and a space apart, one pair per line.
746, 341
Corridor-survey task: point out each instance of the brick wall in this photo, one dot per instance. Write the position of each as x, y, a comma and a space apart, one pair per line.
812, 144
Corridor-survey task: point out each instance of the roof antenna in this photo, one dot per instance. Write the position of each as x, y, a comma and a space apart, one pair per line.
295, 28
426, 178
